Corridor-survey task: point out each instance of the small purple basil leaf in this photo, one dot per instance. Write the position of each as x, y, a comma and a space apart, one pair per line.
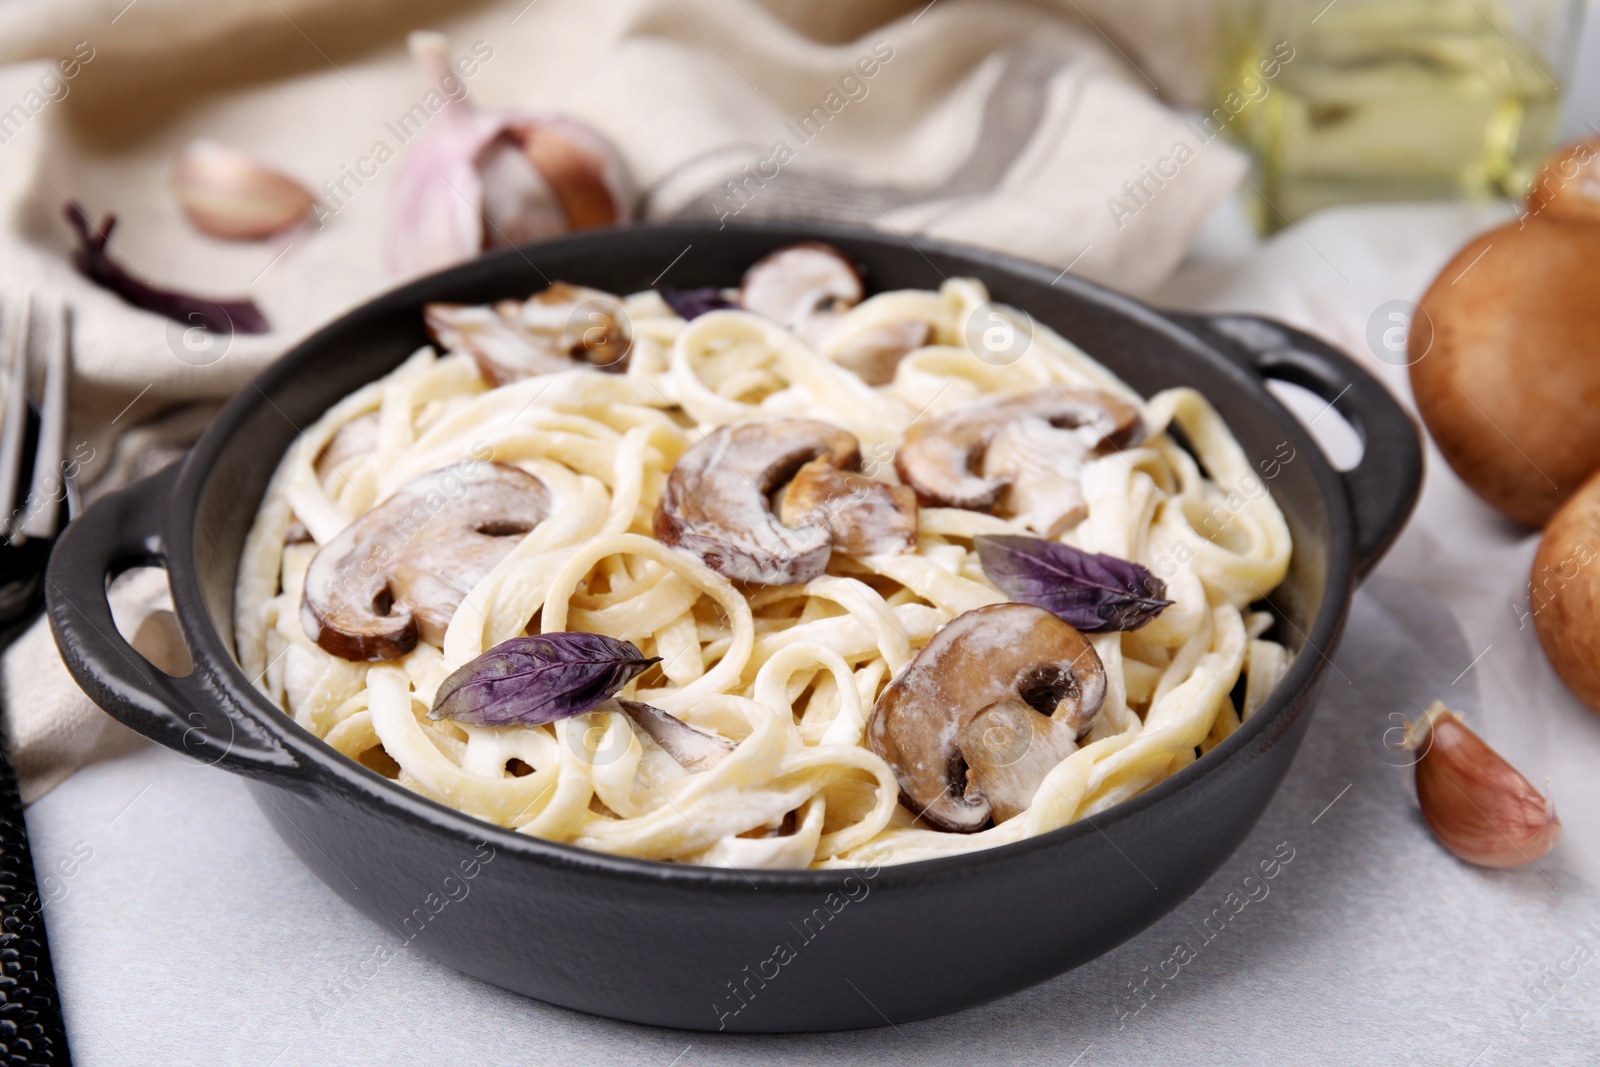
536, 680
690, 304
96, 264
1094, 592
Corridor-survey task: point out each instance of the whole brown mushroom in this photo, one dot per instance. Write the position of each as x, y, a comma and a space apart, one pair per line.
1507, 378
1564, 593
1568, 186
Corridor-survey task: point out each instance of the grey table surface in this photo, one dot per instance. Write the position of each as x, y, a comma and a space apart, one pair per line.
186, 932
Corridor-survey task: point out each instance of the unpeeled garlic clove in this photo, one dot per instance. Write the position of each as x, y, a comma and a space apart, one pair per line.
228, 194
479, 179
1477, 804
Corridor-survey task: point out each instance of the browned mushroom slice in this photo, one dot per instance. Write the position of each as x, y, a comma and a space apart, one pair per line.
984, 711
694, 749
862, 515
805, 287
939, 457
1041, 469
563, 327
502, 351
588, 324
355, 438
875, 354
717, 501
403, 568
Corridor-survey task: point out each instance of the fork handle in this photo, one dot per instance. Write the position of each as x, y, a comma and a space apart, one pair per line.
201, 714
29, 1001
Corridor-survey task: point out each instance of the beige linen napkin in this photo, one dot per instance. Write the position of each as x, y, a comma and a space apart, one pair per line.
995, 122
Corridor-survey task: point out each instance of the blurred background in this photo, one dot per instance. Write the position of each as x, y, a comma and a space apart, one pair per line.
1103, 137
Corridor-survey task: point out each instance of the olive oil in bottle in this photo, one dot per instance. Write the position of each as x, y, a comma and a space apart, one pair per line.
1392, 99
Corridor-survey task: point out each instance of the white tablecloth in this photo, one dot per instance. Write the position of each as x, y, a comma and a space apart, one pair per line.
184, 931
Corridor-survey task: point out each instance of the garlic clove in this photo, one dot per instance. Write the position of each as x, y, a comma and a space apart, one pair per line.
478, 179
518, 204
584, 171
435, 216
228, 194
1477, 804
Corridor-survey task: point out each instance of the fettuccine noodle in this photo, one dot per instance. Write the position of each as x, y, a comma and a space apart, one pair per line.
789, 673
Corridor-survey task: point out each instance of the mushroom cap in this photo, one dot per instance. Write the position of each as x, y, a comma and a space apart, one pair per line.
863, 516
403, 568
950, 726
875, 354
1041, 467
717, 500
1568, 186
939, 456
1506, 379
354, 439
802, 286
563, 327
1564, 593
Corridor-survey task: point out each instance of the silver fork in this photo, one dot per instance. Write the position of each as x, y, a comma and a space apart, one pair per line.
30, 525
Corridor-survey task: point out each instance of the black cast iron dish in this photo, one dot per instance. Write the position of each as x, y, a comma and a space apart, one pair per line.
702, 948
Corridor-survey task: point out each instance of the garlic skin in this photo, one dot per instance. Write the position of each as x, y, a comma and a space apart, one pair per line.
478, 179
1477, 804
228, 194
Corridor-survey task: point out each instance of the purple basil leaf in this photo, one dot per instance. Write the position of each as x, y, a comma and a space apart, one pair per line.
1095, 593
95, 263
690, 304
536, 680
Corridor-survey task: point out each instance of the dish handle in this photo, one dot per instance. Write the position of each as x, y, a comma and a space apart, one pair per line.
1383, 486
196, 714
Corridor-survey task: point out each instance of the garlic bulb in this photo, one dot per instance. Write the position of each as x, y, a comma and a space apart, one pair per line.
1476, 803
228, 194
480, 179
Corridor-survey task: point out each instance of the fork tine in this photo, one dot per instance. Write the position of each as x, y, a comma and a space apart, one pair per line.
14, 417
47, 489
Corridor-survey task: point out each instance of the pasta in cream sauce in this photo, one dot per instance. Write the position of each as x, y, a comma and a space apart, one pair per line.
787, 674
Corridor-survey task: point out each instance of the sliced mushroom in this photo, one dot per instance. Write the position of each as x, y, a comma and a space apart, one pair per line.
717, 501
502, 351
403, 568
767, 502
1009, 747
939, 456
563, 327
1041, 468
695, 749
784, 827
862, 515
588, 324
875, 354
355, 438
996, 699
805, 287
